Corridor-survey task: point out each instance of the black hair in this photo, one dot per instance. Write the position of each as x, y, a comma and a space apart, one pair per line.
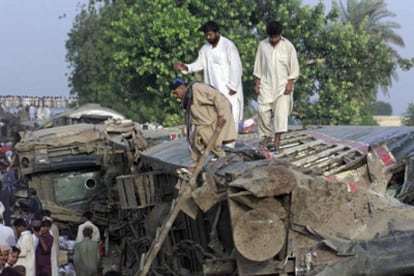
46, 223
274, 28
15, 249
19, 222
88, 215
87, 232
46, 213
10, 271
21, 269
32, 191
210, 26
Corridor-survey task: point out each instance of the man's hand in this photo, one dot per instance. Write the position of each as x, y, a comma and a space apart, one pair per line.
180, 66
221, 121
257, 86
36, 233
289, 87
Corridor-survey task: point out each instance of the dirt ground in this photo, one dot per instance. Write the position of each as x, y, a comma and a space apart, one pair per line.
111, 261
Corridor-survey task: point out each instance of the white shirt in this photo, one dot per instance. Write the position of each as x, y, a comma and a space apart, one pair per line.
96, 236
27, 252
223, 70
274, 66
7, 235
43, 113
32, 113
54, 231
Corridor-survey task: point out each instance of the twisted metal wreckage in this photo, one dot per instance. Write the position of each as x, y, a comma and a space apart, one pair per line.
336, 200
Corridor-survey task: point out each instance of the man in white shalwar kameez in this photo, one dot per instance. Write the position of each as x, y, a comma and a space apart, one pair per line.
26, 245
276, 68
222, 68
87, 217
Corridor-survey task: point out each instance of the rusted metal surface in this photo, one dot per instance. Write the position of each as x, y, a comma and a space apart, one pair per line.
266, 181
259, 235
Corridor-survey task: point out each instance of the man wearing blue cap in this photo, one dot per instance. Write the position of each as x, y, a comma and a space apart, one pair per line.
205, 108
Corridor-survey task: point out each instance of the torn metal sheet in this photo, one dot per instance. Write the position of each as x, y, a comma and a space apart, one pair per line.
266, 181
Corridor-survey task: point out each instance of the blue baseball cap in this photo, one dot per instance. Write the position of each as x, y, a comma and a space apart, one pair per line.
175, 83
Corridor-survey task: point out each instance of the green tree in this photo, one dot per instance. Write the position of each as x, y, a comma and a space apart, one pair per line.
121, 55
370, 14
382, 108
349, 66
408, 116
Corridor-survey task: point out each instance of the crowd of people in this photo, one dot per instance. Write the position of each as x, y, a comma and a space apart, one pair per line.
10, 101
30, 245
33, 108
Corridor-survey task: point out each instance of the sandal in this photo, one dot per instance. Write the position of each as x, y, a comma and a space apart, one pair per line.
273, 148
266, 140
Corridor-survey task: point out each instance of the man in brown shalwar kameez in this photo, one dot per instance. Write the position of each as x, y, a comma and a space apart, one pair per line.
205, 108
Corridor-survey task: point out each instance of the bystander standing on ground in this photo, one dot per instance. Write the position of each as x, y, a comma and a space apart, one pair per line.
222, 67
7, 197
35, 205
87, 259
32, 112
4, 254
54, 231
26, 245
13, 256
205, 109
43, 112
22, 212
44, 249
87, 217
276, 68
7, 236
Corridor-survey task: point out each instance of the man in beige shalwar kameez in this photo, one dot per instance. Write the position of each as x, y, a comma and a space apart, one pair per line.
276, 68
205, 108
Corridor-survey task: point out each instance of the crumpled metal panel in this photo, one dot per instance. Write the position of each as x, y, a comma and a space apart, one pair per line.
60, 136
400, 140
174, 152
264, 181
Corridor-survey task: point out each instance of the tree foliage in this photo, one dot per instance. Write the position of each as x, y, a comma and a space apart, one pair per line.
374, 17
122, 53
408, 116
371, 14
382, 108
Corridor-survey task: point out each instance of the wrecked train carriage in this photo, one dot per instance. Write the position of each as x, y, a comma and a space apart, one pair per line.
73, 167
88, 114
319, 206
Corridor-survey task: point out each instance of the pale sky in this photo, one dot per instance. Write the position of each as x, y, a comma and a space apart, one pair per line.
32, 56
